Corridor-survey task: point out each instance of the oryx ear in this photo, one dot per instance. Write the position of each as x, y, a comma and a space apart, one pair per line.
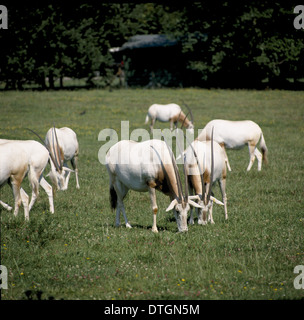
172, 205
196, 197
216, 201
67, 169
194, 204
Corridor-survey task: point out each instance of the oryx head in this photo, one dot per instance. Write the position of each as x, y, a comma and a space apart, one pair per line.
59, 174
182, 201
205, 199
181, 208
190, 126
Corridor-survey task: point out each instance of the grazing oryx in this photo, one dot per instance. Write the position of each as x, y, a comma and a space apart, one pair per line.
14, 165
235, 134
169, 112
205, 164
63, 144
37, 159
146, 166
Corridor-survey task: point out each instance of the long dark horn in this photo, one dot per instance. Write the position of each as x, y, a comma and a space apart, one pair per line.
184, 120
165, 173
57, 151
199, 168
184, 169
47, 148
178, 179
54, 151
188, 110
38, 137
212, 167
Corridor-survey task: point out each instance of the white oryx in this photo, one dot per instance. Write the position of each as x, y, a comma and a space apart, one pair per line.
144, 167
234, 135
169, 113
205, 164
36, 159
63, 144
14, 165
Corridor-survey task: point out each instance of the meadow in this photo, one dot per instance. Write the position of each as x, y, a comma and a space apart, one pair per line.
78, 253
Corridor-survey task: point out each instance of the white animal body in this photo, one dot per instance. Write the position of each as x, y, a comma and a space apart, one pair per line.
13, 168
236, 134
63, 144
199, 178
36, 158
169, 113
144, 167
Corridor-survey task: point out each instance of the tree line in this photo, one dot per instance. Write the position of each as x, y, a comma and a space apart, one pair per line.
222, 43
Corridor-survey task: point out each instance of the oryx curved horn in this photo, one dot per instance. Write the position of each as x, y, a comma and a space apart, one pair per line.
57, 151
47, 148
212, 167
184, 120
199, 168
184, 169
178, 179
191, 115
165, 173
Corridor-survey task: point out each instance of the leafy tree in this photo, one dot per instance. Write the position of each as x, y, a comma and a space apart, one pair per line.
221, 43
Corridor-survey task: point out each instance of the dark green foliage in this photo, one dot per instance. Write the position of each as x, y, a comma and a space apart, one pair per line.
221, 43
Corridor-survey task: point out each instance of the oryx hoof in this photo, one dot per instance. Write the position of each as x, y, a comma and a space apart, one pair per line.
202, 222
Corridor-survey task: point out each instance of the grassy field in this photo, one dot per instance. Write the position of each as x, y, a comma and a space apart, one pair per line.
78, 253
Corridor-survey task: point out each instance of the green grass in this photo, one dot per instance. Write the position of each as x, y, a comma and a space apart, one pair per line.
78, 253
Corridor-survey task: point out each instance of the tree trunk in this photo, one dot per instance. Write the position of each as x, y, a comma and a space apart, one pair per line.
51, 80
61, 82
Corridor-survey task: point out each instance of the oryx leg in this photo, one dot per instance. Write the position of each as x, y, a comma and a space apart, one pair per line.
191, 220
25, 201
74, 162
152, 124
210, 206
121, 191
33, 200
15, 185
202, 213
152, 194
49, 191
6, 206
222, 184
66, 180
190, 192
210, 216
34, 177
252, 154
259, 157
226, 157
